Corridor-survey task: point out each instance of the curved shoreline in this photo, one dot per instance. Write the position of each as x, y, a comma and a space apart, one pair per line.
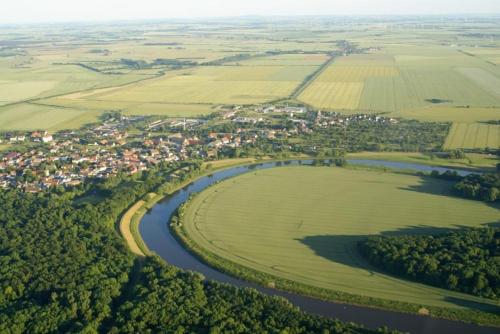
400, 320
125, 227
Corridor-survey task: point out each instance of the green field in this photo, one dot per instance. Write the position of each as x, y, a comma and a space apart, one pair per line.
409, 81
213, 85
25, 116
473, 135
302, 224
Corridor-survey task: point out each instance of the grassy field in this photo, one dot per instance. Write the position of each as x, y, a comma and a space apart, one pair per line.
211, 85
302, 224
25, 116
482, 162
473, 135
341, 85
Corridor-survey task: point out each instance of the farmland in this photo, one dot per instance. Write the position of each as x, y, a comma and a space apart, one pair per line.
213, 85
302, 224
393, 81
62, 80
475, 135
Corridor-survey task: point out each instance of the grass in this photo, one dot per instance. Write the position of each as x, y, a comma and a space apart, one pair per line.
429, 83
340, 86
450, 114
472, 161
212, 85
125, 228
333, 95
27, 116
302, 224
473, 136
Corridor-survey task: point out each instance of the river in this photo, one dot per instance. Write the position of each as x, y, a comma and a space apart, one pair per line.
158, 238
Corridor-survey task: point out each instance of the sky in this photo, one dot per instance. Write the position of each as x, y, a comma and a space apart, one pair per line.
24, 11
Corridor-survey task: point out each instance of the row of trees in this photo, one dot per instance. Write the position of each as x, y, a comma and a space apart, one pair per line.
465, 261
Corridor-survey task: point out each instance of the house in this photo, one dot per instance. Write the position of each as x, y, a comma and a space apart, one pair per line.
17, 139
47, 138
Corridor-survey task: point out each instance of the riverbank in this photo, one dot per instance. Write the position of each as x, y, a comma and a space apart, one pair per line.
126, 229
130, 221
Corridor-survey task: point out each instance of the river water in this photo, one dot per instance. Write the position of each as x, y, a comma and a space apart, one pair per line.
158, 238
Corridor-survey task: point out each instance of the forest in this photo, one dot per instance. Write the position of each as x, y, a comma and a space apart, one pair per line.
169, 300
64, 268
465, 260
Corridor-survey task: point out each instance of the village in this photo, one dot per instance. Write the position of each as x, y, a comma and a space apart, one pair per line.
129, 145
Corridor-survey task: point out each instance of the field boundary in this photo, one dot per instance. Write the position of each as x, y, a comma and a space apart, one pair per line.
309, 80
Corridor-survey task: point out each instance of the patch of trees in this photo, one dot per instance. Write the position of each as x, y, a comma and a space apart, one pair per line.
483, 187
228, 59
454, 154
139, 64
405, 136
465, 261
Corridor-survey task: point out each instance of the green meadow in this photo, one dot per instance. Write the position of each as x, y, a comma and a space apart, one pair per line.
303, 223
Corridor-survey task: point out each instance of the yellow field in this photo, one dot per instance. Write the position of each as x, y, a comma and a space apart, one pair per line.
470, 136
450, 114
11, 91
340, 86
356, 73
210, 85
26, 116
333, 95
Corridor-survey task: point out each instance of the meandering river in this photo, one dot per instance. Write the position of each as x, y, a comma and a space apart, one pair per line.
158, 238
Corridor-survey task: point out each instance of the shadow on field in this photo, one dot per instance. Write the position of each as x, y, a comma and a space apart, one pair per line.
429, 185
433, 186
343, 249
474, 305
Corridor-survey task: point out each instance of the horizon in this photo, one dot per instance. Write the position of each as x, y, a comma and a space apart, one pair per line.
58, 11
250, 16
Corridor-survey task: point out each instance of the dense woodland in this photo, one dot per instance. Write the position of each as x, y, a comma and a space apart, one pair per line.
167, 300
466, 261
483, 187
63, 268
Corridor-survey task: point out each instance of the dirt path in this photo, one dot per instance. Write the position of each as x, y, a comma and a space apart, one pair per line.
125, 228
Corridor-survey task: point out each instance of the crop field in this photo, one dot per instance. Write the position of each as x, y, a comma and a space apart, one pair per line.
404, 80
41, 80
213, 85
340, 86
333, 95
303, 223
26, 116
473, 135
285, 60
